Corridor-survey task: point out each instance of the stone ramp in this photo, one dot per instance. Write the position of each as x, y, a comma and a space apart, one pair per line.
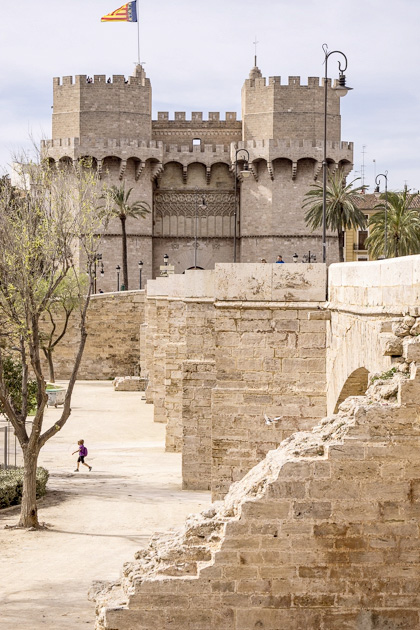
323, 534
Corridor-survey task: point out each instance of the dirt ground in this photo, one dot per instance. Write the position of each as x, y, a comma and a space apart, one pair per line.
96, 520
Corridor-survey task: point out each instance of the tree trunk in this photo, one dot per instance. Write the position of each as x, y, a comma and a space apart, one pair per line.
340, 245
124, 253
29, 510
48, 355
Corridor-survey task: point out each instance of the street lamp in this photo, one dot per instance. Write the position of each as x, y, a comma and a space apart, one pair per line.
202, 207
118, 269
245, 172
165, 259
140, 268
344, 89
385, 175
96, 258
309, 258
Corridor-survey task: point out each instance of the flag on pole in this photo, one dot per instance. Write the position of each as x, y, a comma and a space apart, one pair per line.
126, 13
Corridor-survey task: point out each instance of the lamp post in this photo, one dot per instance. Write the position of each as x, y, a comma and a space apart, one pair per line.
385, 176
118, 269
97, 258
309, 258
341, 86
165, 259
140, 269
202, 207
245, 173
306, 258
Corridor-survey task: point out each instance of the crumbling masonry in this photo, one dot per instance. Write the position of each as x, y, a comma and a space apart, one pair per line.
322, 534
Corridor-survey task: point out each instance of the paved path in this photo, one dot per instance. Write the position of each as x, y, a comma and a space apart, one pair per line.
97, 520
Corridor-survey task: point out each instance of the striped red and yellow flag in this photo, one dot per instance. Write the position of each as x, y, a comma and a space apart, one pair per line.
126, 13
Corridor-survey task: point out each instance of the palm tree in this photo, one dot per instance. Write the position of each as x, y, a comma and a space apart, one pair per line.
402, 227
342, 212
122, 209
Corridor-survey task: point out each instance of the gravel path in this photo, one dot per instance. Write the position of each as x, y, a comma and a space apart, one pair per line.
97, 520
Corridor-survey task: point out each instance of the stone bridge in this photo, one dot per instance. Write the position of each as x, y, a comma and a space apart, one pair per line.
366, 302
317, 523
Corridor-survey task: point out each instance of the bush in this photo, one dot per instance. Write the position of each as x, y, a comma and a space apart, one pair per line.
13, 377
11, 485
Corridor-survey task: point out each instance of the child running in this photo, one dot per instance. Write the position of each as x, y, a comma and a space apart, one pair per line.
82, 450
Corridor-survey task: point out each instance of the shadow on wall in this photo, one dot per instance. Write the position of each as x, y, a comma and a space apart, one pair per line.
355, 385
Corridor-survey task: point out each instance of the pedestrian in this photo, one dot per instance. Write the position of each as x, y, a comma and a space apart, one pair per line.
82, 450
263, 260
279, 259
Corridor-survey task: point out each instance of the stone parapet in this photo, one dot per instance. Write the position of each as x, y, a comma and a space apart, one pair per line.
100, 148
385, 286
295, 150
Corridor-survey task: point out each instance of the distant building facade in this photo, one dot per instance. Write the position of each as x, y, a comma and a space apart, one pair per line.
355, 240
186, 169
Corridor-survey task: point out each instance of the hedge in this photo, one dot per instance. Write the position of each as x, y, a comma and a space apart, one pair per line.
11, 485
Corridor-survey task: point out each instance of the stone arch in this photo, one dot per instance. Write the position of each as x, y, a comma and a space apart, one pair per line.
88, 161
50, 163
346, 166
172, 175
111, 165
282, 167
354, 343
221, 177
196, 176
305, 169
355, 385
65, 162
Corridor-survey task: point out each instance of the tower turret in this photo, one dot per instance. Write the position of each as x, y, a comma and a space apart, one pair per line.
275, 111
89, 108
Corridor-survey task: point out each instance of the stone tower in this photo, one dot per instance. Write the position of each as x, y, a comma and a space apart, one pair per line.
282, 130
110, 121
185, 168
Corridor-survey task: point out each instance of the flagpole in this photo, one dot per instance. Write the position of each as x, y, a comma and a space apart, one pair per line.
138, 29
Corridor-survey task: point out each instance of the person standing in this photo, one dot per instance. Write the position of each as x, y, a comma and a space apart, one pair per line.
279, 259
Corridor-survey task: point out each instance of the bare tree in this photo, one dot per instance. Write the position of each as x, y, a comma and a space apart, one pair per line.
67, 297
42, 226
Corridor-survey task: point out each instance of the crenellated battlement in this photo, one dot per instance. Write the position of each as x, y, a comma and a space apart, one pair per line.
271, 109
196, 117
290, 143
100, 80
101, 143
292, 81
89, 107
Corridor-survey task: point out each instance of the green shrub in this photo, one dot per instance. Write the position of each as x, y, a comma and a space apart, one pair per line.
11, 485
384, 376
13, 377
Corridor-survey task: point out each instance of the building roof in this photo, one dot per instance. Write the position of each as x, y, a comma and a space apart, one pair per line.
369, 201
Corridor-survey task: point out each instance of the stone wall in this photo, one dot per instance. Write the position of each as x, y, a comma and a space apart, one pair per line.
323, 533
223, 349
270, 360
113, 342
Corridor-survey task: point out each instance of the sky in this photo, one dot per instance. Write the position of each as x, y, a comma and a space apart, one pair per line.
198, 54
